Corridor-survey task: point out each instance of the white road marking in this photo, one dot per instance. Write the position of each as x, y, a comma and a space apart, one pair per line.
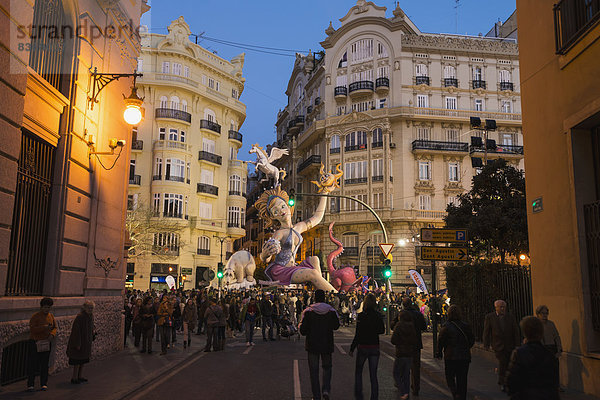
248, 350
426, 380
297, 390
339, 346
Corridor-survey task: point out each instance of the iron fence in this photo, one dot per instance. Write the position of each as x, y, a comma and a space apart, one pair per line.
14, 362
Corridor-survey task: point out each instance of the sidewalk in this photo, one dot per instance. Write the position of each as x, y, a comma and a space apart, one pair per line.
482, 378
113, 377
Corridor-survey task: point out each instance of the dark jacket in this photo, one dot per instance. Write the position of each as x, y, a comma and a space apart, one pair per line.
456, 340
148, 313
418, 322
190, 316
533, 373
79, 346
501, 334
318, 323
212, 315
369, 325
405, 339
266, 308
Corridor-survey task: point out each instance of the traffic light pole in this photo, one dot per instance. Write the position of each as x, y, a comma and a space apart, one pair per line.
221, 262
433, 309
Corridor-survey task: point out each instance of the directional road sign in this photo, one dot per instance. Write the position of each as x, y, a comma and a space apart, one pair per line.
186, 271
386, 248
443, 253
443, 235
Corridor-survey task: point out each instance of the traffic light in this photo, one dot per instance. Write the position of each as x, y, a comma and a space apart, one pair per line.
292, 198
387, 269
220, 270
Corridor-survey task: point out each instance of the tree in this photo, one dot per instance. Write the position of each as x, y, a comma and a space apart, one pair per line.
494, 211
150, 234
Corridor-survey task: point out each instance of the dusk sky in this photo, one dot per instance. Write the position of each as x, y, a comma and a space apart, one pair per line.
299, 26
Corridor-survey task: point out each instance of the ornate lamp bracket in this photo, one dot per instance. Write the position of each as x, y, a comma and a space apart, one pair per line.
101, 80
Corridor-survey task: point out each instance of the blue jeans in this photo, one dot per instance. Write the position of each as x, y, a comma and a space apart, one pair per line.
372, 354
402, 374
313, 367
249, 326
267, 322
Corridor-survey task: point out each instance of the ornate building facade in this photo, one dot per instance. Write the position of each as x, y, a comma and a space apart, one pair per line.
184, 169
61, 226
392, 106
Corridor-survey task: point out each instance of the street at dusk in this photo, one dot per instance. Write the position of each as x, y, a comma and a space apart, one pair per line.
317, 200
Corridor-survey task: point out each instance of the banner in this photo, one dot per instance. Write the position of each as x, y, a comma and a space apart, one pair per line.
418, 280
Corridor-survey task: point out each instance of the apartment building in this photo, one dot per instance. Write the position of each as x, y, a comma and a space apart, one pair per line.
184, 168
392, 106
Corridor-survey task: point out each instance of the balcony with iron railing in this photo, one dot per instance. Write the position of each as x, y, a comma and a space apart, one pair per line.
312, 161
350, 251
382, 85
376, 145
507, 149
175, 178
420, 144
355, 181
170, 144
172, 214
334, 150
210, 157
235, 193
171, 113
340, 92
234, 135
207, 189
450, 82
506, 86
360, 88
299, 121
210, 125
355, 147
169, 251
479, 84
137, 145
572, 20
203, 252
135, 180
156, 177
422, 80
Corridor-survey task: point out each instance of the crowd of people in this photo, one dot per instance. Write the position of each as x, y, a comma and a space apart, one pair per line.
527, 368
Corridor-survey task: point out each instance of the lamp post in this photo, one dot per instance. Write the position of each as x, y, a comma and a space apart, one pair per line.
359, 255
221, 239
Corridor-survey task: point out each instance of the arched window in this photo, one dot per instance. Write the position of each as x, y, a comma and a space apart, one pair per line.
299, 93
183, 105
343, 61
449, 72
174, 102
477, 76
164, 102
235, 185
335, 144
210, 115
350, 240
505, 76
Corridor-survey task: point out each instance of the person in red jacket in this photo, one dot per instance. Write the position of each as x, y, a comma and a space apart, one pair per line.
319, 320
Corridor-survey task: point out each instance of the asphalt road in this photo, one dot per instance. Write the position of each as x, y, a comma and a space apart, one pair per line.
277, 370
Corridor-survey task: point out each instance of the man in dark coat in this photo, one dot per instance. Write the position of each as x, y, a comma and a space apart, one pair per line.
319, 320
501, 332
420, 326
533, 370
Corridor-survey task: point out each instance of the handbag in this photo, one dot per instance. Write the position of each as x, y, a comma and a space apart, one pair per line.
42, 345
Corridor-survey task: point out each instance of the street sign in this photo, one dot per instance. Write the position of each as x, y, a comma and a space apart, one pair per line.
443, 235
386, 248
186, 271
209, 275
537, 205
443, 253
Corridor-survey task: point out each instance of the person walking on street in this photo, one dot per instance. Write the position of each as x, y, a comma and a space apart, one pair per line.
250, 312
190, 319
221, 327
128, 312
137, 322
533, 370
501, 332
420, 326
212, 316
266, 312
79, 347
455, 341
318, 322
147, 324
165, 322
42, 327
551, 339
405, 339
202, 306
369, 326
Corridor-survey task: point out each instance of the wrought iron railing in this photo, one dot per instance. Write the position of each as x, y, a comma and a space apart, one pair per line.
506, 86
340, 91
360, 85
448, 82
376, 144
500, 148
208, 189
479, 84
210, 157
235, 135
203, 252
175, 178
355, 147
173, 114
315, 159
210, 125
422, 80
137, 145
334, 150
354, 181
382, 82
135, 180
420, 144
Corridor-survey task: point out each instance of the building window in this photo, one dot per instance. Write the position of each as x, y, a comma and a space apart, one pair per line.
186, 71
140, 64
451, 103
350, 240
361, 50
424, 202
366, 75
377, 136
453, 172
381, 50
206, 177
478, 104
343, 61
509, 139
356, 140
210, 115
382, 103
205, 210
156, 203
182, 136
334, 144
132, 201
452, 135
208, 145
174, 169
423, 133
233, 153
173, 205
424, 170
165, 67
204, 245
377, 200
184, 105
449, 72
377, 165
477, 75
166, 242
356, 170
341, 110
421, 70
164, 102
174, 103
158, 167
211, 83
233, 217
176, 69
383, 72
504, 75
173, 135
506, 106
452, 200
422, 100
234, 94
235, 184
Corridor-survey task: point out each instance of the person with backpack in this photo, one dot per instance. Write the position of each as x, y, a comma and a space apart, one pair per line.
455, 341
406, 341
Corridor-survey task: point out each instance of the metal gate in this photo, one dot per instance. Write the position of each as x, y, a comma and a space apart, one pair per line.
14, 362
30, 218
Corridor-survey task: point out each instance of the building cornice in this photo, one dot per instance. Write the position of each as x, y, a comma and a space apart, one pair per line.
459, 44
391, 25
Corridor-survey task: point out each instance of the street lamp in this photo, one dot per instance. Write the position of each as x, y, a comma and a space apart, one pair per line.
221, 239
133, 113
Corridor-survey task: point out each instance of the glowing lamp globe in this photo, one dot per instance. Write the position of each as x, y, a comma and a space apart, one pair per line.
133, 108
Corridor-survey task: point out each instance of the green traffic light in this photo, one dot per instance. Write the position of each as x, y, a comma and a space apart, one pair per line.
384, 308
291, 202
387, 273
219, 274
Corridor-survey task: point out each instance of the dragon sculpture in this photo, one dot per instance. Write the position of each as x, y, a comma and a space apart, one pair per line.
344, 278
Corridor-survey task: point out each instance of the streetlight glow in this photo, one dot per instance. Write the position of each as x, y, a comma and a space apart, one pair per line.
132, 114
